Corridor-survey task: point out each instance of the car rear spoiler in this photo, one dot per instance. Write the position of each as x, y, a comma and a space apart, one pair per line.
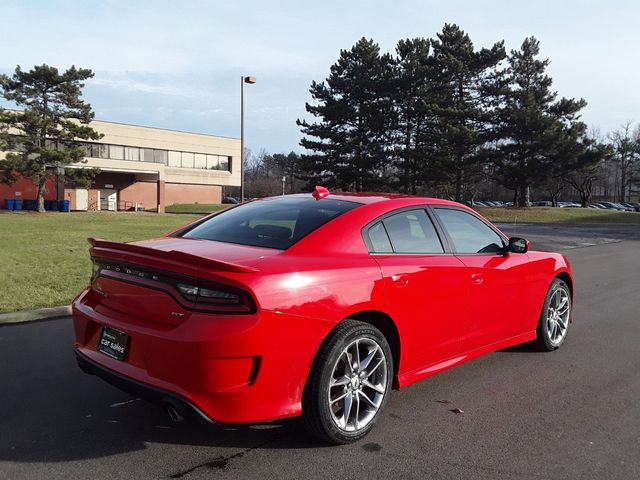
99, 245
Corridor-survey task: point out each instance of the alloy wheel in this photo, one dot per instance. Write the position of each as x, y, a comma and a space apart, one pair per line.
358, 384
558, 316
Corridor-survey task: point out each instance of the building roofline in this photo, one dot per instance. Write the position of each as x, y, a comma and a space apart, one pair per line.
147, 126
166, 129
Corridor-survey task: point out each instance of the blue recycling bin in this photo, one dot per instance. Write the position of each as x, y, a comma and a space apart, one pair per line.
17, 204
64, 206
9, 203
50, 205
30, 205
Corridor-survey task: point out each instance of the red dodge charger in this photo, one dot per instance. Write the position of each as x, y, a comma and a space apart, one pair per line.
314, 305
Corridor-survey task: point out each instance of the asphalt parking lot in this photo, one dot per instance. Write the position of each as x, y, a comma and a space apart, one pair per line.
573, 413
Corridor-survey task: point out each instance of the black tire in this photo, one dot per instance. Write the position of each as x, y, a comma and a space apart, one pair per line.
544, 340
317, 413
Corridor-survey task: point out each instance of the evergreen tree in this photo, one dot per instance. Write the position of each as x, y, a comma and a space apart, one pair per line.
412, 128
466, 85
353, 111
45, 133
539, 133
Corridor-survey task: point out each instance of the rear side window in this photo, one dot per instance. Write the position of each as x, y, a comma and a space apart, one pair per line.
379, 239
272, 223
405, 232
468, 233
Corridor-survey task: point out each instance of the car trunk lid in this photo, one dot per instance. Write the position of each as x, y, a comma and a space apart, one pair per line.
164, 280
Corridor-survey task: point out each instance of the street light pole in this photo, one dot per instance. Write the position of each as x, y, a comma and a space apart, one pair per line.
284, 179
243, 80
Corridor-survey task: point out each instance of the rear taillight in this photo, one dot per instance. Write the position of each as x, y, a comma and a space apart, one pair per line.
95, 271
189, 292
214, 296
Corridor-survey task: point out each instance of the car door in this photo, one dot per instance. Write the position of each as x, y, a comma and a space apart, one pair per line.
426, 289
498, 280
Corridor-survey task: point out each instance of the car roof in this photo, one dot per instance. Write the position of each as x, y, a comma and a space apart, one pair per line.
367, 198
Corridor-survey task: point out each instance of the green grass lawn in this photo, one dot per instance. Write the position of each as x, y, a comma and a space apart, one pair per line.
44, 258
558, 215
198, 208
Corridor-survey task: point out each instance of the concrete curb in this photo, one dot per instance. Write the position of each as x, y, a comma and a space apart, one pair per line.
32, 315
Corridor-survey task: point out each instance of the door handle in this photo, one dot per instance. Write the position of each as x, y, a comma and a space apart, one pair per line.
399, 280
477, 278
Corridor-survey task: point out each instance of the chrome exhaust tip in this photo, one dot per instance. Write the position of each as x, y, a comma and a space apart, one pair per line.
173, 413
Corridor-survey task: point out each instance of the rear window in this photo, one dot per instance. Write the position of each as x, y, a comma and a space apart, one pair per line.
272, 223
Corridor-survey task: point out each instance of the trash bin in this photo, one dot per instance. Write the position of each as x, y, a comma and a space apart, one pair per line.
63, 205
30, 204
50, 205
17, 204
9, 203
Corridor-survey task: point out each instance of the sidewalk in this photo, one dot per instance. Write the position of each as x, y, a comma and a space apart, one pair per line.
38, 314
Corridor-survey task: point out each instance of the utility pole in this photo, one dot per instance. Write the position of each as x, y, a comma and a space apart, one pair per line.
250, 80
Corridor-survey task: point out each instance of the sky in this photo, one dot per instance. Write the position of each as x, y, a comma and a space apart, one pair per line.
177, 64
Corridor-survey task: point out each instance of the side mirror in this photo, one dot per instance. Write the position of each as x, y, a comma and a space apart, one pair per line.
518, 245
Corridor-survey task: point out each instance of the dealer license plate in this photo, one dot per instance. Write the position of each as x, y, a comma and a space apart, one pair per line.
113, 343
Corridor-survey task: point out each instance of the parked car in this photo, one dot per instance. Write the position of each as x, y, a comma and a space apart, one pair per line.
634, 207
570, 205
613, 206
314, 305
230, 200
480, 204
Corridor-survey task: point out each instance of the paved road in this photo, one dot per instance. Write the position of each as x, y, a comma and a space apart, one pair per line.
573, 413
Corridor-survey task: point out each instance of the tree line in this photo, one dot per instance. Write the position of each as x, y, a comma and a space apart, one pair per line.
443, 117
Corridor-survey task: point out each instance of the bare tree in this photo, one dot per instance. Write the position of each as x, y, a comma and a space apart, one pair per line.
626, 145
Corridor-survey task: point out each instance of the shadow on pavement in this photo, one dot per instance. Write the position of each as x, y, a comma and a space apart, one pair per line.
52, 412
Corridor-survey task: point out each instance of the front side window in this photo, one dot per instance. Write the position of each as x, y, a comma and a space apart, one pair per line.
468, 233
272, 223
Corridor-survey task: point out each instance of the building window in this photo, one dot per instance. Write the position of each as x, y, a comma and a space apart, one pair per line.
132, 153
187, 160
160, 156
171, 158
212, 162
147, 155
175, 159
99, 150
116, 152
200, 160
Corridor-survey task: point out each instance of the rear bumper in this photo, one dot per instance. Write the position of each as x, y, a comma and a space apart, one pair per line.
229, 368
138, 389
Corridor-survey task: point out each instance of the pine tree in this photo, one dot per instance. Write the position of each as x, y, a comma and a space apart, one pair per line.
463, 102
539, 134
353, 111
412, 128
45, 133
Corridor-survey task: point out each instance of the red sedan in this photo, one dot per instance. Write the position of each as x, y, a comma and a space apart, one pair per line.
314, 305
